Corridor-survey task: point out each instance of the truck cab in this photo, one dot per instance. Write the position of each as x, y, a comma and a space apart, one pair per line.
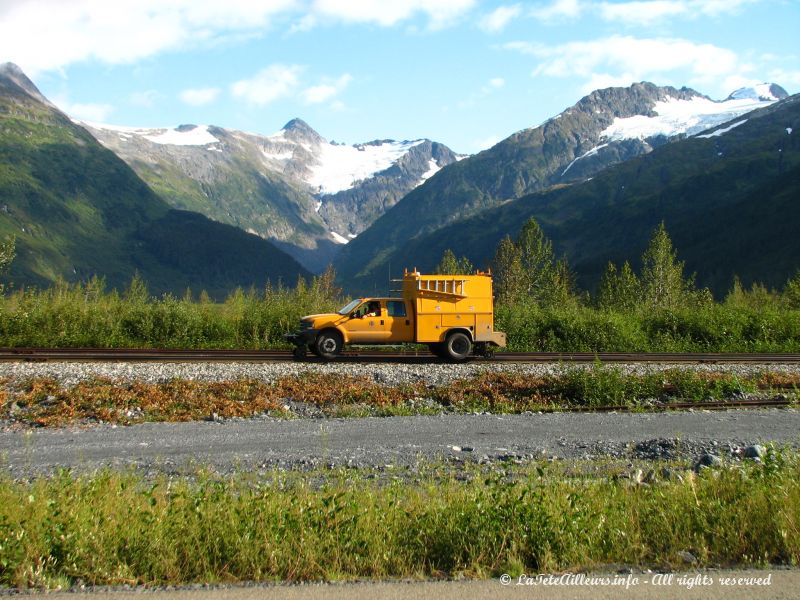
452, 314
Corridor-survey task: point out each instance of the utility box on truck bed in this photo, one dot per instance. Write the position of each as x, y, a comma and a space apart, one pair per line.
452, 314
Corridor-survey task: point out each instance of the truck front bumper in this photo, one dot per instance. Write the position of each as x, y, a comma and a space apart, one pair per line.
302, 338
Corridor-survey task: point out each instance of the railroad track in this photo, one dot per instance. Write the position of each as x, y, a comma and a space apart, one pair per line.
376, 356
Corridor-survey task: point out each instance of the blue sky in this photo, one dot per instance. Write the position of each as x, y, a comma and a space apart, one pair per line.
463, 72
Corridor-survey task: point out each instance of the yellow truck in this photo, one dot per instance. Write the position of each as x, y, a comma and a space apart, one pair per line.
452, 314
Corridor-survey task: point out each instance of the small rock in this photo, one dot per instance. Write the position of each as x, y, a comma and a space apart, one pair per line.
687, 557
455, 448
707, 460
755, 451
668, 474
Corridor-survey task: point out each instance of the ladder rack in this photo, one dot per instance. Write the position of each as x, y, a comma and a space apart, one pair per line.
446, 287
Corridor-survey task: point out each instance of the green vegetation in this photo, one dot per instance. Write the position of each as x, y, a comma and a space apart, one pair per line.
111, 528
76, 210
87, 315
46, 403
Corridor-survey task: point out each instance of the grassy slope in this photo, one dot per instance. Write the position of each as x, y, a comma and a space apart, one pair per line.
77, 210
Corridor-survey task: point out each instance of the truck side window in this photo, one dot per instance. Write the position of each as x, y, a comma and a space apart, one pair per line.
396, 308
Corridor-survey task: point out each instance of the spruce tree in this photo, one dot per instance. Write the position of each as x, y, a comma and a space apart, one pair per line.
663, 284
508, 273
451, 265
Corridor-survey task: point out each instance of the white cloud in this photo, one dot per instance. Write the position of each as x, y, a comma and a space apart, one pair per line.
270, 84
497, 20
558, 9
786, 79
123, 31
326, 90
386, 13
199, 97
648, 12
97, 113
497, 82
616, 57
642, 13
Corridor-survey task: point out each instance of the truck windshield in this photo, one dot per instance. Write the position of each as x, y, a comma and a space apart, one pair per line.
345, 310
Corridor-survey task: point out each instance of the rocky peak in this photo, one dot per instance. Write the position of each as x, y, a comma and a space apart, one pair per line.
637, 99
14, 80
763, 91
298, 130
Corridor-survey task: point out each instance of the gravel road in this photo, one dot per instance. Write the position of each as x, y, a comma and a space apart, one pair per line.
255, 444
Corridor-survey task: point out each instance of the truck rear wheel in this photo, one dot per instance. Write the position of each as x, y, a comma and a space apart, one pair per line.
458, 346
328, 344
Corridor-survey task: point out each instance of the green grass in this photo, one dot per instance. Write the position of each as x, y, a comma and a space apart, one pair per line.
87, 315
111, 528
715, 327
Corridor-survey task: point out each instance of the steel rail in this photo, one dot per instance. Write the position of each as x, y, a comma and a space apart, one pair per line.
358, 355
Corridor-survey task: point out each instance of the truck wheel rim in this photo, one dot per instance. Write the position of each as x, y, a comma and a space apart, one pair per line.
460, 346
329, 345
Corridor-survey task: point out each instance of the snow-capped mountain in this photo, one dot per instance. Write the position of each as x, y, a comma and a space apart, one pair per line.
294, 187
329, 167
604, 128
677, 115
674, 117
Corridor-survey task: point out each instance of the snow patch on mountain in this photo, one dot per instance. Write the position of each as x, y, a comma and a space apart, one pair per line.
591, 152
675, 117
719, 132
339, 239
185, 135
196, 136
341, 167
433, 168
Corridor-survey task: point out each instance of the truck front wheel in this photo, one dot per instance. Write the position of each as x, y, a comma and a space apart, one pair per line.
458, 346
329, 344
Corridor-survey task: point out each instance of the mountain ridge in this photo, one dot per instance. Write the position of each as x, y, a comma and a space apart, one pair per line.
305, 194
565, 149
728, 199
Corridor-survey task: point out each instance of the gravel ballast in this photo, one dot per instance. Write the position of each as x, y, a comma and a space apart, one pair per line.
434, 374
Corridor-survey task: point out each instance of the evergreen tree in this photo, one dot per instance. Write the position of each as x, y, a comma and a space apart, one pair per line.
8, 250
527, 271
508, 272
791, 292
536, 256
662, 281
451, 265
619, 290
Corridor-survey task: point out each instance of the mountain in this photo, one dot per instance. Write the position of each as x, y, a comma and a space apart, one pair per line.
294, 188
728, 197
77, 210
604, 128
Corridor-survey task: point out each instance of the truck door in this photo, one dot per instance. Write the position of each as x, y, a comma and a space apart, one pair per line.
364, 328
398, 326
